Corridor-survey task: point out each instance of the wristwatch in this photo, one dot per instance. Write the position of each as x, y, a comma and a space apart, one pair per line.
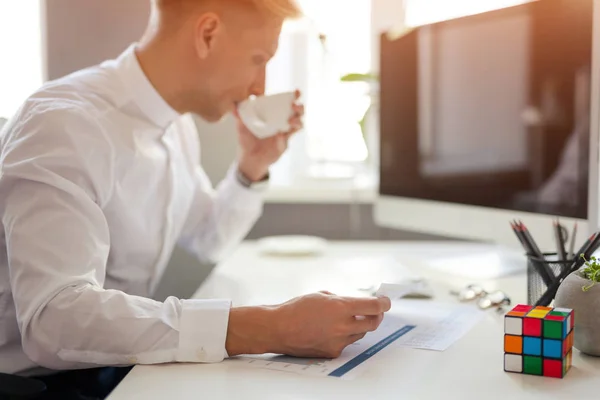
247, 183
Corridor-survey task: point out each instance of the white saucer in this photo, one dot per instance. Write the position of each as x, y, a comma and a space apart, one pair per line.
292, 245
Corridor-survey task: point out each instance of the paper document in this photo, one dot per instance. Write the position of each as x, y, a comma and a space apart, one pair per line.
416, 288
393, 291
437, 324
421, 324
342, 367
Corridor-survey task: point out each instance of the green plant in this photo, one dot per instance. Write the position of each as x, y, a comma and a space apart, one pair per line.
360, 78
591, 272
370, 79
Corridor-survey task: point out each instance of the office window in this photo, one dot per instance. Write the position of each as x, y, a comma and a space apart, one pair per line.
20, 53
332, 41
420, 12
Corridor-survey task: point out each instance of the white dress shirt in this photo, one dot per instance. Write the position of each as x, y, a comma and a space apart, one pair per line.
100, 179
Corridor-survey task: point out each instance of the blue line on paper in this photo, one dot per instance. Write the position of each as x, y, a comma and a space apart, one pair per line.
370, 352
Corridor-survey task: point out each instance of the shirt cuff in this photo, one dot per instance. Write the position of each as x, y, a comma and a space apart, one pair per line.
203, 330
241, 196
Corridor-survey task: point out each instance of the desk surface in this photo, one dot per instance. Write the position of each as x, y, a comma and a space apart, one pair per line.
471, 368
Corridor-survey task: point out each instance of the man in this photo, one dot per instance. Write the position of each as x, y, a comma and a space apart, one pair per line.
101, 179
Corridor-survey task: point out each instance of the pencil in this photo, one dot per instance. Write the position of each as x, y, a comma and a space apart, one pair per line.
540, 264
587, 249
521, 235
572, 244
590, 246
558, 238
530, 240
515, 228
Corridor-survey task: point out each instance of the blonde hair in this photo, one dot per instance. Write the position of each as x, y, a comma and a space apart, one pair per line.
285, 9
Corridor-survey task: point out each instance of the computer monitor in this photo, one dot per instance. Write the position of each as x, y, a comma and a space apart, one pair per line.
489, 118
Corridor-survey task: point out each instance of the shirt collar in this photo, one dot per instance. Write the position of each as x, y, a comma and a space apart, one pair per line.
150, 102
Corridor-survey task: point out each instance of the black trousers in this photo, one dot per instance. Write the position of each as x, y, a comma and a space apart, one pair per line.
86, 384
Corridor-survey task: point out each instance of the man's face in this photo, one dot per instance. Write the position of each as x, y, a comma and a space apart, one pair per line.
234, 67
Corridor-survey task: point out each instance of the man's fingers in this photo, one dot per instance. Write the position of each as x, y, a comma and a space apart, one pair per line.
298, 110
287, 135
295, 126
295, 121
237, 116
243, 131
281, 142
355, 338
366, 324
369, 306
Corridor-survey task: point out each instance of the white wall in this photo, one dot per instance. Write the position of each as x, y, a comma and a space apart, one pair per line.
20, 69
386, 15
83, 33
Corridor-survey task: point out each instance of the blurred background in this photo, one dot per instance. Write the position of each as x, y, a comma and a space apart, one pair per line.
327, 181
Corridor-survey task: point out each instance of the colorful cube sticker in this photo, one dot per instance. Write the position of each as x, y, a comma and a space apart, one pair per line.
513, 326
552, 348
513, 344
532, 365
513, 363
567, 362
553, 368
532, 346
532, 326
553, 329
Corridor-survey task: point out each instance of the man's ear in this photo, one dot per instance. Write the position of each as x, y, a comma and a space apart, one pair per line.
207, 30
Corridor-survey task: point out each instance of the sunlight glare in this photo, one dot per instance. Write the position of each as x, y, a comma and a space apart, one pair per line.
422, 12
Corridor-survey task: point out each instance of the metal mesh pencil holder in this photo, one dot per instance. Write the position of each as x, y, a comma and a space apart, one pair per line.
536, 284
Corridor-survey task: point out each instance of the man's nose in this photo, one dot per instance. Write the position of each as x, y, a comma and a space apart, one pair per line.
258, 86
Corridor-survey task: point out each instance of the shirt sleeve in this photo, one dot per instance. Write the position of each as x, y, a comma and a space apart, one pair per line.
56, 176
221, 217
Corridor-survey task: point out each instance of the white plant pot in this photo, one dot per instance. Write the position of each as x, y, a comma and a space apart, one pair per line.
586, 307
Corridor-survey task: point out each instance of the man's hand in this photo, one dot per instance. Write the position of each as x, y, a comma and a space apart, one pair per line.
318, 325
258, 154
323, 325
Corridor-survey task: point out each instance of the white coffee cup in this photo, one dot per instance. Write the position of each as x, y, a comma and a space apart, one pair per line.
265, 116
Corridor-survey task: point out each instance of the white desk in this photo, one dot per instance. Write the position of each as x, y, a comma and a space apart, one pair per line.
470, 369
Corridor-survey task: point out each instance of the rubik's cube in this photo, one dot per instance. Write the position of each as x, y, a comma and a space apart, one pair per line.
538, 340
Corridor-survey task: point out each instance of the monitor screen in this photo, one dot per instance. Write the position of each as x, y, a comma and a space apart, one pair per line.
491, 110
